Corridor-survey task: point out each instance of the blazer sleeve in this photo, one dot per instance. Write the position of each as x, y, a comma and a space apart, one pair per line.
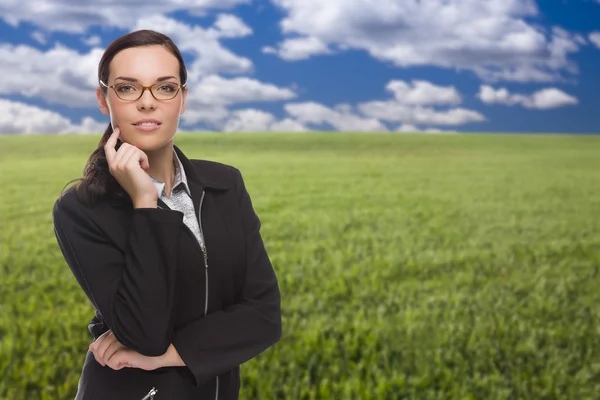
133, 290
225, 339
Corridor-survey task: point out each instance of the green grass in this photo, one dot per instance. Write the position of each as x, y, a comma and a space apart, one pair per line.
411, 266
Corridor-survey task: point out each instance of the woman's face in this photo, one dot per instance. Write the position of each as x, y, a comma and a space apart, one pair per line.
146, 64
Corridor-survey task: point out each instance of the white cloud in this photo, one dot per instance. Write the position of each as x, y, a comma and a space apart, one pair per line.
204, 43
595, 37
231, 26
396, 112
208, 99
543, 99
253, 120
269, 50
314, 113
407, 128
493, 38
77, 17
59, 75
408, 105
423, 93
39, 37
92, 41
299, 48
21, 118
222, 91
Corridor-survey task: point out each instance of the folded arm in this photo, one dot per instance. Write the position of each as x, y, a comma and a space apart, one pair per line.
133, 290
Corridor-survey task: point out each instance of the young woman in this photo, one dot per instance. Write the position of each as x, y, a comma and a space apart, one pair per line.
167, 249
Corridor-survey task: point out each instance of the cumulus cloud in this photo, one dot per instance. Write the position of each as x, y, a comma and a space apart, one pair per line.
76, 17
253, 120
595, 38
423, 93
209, 98
211, 56
58, 76
231, 26
339, 119
413, 104
396, 112
492, 38
92, 41
299, 48
543, 99
20, 118
39, 37
407, 128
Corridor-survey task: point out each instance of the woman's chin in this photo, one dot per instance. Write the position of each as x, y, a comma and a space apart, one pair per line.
147, 141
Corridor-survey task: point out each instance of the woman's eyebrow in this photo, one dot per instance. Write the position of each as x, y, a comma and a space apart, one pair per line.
162, 78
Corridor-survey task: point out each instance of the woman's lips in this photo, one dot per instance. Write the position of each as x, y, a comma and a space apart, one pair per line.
147, 127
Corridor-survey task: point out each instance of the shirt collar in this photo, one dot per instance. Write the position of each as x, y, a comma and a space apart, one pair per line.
180, 178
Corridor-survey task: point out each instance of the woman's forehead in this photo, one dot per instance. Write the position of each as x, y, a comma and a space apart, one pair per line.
146, 63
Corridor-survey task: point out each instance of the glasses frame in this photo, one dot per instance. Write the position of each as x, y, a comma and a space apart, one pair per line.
179, 87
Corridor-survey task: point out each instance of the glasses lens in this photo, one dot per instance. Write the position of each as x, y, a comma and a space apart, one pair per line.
165, 91
133, 91
128, 91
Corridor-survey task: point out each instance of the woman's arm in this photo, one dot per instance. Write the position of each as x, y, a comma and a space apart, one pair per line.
171, 358
132, 290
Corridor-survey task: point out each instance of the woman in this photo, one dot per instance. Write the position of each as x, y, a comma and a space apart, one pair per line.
167, 249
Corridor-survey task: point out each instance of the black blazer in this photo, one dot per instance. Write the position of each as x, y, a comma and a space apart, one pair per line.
149, 281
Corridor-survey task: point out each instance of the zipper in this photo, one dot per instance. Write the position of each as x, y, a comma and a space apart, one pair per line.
205, 255
204, 252
151, 394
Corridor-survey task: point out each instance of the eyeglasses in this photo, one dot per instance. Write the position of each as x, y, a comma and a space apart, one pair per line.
133, 91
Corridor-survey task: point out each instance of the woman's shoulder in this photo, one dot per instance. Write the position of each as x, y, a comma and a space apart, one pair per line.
216, 174
69, 205
67, 201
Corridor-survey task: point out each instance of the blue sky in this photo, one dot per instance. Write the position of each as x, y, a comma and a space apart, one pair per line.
292, 65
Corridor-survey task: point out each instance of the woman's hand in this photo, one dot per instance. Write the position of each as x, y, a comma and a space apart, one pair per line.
129, 165
127, 358
109, 351
105, 347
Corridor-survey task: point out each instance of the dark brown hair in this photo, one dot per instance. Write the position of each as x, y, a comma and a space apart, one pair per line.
97, 180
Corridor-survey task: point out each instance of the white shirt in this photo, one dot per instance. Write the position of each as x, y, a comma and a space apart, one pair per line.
181, 198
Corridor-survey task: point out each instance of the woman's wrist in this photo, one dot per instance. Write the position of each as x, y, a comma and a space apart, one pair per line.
171, 358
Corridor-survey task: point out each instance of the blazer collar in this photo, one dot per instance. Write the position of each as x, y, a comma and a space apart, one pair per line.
200, 176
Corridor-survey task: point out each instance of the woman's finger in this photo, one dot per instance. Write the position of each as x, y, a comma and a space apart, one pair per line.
128, 158
97, 342
121, 155
112, 349
136, 159
102, 347
144, 163
120, 359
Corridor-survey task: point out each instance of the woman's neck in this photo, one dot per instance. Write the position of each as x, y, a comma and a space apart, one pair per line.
162, 166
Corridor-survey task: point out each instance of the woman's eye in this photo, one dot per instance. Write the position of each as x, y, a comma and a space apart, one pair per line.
167, 88
124, 88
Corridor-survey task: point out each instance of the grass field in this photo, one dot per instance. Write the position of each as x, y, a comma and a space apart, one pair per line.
411, 266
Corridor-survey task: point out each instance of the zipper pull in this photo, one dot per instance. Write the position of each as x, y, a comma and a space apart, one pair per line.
151, 394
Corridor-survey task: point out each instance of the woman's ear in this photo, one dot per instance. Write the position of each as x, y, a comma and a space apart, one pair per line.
102, 103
